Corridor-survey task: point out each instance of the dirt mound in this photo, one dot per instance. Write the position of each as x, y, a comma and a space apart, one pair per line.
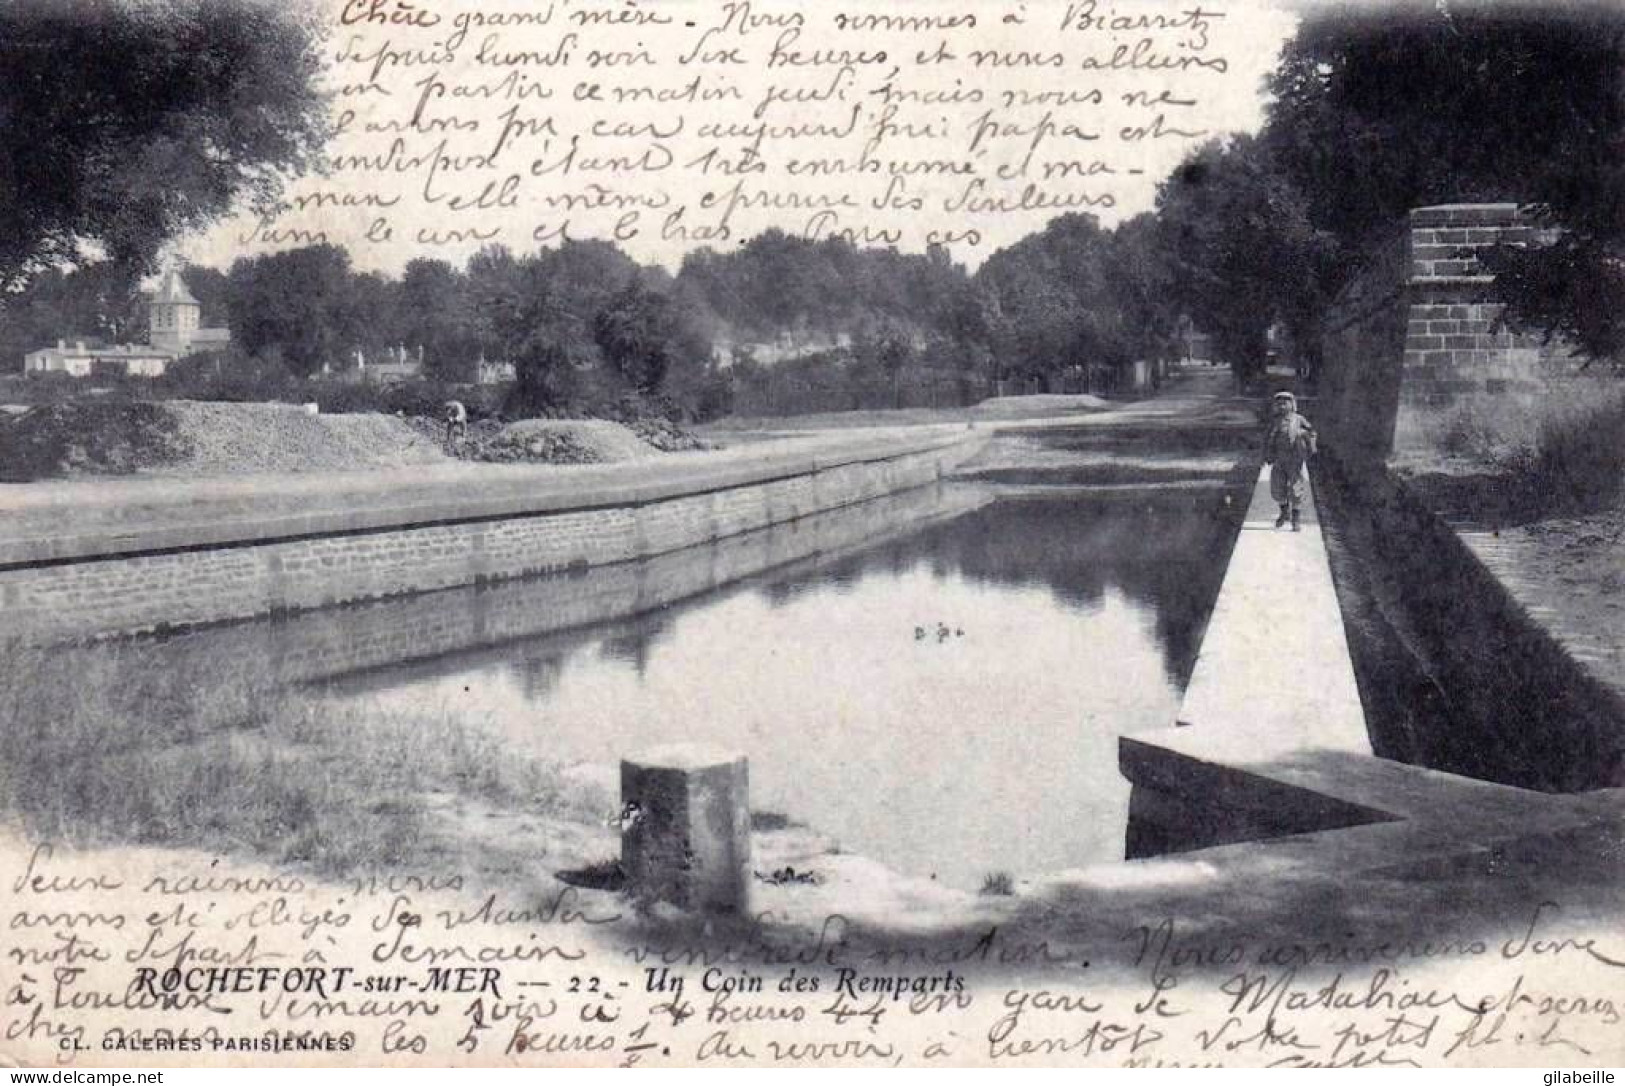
188, 438
561, 441
185, 437
226, 438
667, 436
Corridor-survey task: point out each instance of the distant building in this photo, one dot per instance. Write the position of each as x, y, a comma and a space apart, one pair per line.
494, 373
394, 365
390, 371
174, 320
390, 366
784, 347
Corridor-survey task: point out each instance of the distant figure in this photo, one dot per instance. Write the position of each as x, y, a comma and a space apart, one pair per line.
1287, 448
456, 423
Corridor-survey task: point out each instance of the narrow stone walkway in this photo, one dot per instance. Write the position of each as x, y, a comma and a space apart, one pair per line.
1274, 673
1272, 747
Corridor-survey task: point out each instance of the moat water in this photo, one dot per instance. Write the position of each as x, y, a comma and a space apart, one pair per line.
945, 698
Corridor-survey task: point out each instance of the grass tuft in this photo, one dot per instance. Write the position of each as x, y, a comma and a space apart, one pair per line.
1578, 464
1563, 454
998, 884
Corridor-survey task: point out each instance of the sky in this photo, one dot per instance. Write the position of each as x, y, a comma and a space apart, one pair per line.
1036, 141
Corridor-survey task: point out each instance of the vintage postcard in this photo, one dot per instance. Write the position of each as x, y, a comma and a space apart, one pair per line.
542, 533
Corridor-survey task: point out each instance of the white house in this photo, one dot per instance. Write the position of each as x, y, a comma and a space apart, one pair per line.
78, 360
785, 346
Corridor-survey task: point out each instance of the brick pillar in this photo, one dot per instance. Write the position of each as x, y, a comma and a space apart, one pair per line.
687, 840
1452, 353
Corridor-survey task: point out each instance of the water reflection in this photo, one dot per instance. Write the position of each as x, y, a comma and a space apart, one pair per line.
1072, 616
634, 646
1164, 551
623, 606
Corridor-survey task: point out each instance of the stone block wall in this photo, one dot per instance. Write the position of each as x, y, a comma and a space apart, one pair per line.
126, 591
1455, 352
1363, 344
1415, 336
417, 630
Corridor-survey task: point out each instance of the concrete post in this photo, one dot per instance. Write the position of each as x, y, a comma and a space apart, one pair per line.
686, 835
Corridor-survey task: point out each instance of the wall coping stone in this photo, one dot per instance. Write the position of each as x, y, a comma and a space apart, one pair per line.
191, 515
1466, 215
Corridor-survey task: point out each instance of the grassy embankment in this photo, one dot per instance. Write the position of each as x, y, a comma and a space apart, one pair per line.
1564, 455
123, 744
1538, 491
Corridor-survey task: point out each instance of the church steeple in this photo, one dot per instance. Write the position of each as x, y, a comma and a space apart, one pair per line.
172, 290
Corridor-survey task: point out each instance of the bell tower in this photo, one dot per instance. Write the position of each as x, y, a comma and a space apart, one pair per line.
173, 315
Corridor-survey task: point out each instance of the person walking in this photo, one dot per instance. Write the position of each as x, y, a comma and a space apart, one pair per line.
1287, 448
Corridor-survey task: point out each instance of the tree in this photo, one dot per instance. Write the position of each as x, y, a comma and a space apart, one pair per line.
127, 123
884, 347
300, 303
1241, 250
544, 323
370, 315
1051, 304
1143, 287
493, 283
1029, 313
1380, 110
99, 301
644, 336
435, 316
1571, 287
210, 287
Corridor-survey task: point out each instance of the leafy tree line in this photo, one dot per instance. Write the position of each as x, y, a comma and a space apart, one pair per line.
579, 321
180, 112
187, 109
1071, 298
1373, 112
585, 321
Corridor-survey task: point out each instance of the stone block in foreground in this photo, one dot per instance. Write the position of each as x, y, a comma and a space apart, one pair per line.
686, 838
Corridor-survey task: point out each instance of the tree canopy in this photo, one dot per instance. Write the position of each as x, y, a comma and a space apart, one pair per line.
644, 334
303, 304
1240, 249
1380, 110
126, 123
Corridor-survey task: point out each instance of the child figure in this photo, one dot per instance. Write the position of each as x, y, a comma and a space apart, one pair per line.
1288, 446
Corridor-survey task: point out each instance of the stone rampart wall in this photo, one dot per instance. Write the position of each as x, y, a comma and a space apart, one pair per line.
127, 589
1416, 337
